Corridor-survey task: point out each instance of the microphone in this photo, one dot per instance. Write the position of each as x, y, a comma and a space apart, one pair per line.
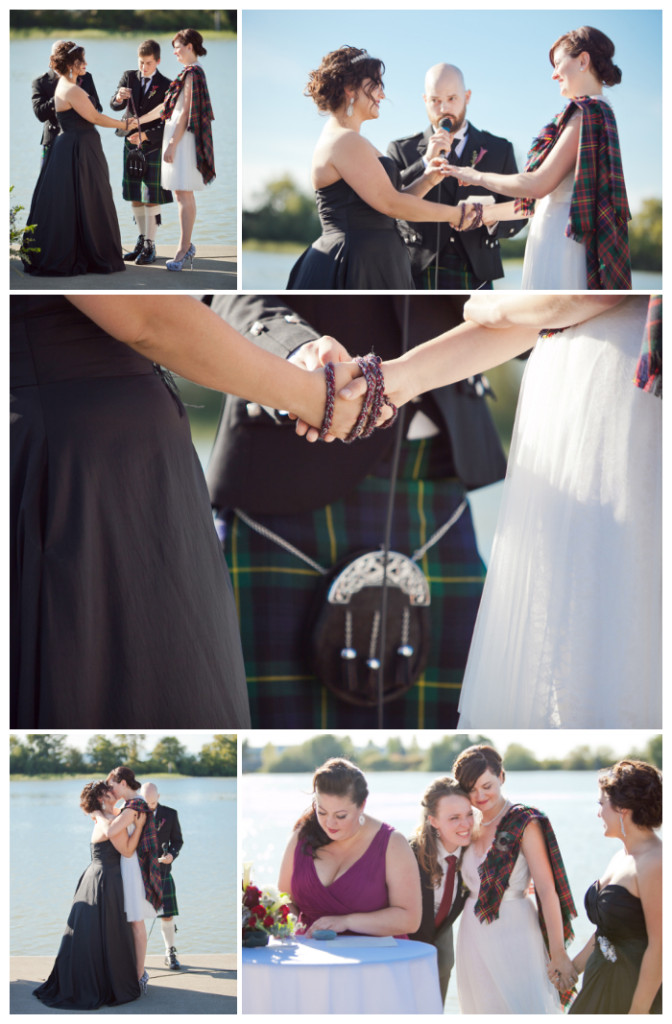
447, 124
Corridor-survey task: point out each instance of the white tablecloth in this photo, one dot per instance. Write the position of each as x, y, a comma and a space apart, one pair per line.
349, 974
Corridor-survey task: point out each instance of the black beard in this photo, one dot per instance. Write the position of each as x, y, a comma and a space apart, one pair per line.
458, 121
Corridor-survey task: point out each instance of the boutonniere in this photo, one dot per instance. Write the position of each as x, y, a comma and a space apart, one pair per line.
477, 157
152, 92
160, 824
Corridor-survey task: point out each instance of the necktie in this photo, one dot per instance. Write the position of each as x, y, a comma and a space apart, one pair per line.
452, 156
145, 83
447, 898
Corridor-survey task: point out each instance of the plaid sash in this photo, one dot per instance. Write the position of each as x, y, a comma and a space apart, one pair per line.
199, 118
649, 374
599, 211
148, 854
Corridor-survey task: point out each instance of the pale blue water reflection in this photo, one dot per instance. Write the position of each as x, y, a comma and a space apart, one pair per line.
49, 850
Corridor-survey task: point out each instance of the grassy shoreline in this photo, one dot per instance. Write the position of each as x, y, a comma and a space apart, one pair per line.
51, 776
57, 31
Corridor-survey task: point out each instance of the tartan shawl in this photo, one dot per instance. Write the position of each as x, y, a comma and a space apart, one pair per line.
599, 211
649, 374
148, 854
200, 116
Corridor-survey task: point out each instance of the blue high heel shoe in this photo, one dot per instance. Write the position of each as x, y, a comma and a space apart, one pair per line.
178, 264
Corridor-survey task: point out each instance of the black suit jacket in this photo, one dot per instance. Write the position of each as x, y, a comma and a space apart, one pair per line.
133, 80
260, 465
427, 932
168, 831
481, 247
43, 89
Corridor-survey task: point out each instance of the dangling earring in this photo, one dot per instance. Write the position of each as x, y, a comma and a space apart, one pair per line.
350, 108
362, 819
620, 818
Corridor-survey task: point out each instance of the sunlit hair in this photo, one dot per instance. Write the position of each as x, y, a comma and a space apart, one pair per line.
190, 37
92, 794
637, 787
124, 774
150, 48
426, 836
336, 777
473, 761
65, 55
348, 66
599, 48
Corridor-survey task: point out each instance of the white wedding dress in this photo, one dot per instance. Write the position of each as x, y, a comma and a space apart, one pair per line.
182, 175
501, 966
136, 905
569, 629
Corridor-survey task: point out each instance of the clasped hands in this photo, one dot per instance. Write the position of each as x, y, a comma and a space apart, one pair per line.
350, 388
562, 973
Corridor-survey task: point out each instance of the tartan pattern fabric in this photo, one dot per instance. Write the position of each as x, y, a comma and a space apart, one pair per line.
148, 854
456, 276
495, 870
169, 905
149, 189
649, 375
200, 117
599, 211
276, 593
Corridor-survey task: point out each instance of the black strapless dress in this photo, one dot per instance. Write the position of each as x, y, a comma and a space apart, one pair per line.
358, 248
95, 965
612, 971
122, 611
77, 228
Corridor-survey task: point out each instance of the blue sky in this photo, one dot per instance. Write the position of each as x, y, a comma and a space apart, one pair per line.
504, 57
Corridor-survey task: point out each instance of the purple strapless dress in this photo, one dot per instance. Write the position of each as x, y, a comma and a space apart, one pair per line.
360, 890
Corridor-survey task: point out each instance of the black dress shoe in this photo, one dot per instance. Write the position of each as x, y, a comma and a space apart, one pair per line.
139, 245
148, 254
170, 960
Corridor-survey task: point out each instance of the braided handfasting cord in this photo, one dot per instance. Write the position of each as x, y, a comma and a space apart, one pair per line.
478, 207
374, 399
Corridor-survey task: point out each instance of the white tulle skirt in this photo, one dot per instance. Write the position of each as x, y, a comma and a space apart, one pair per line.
552, 260
569, 628
182, 175
136, 906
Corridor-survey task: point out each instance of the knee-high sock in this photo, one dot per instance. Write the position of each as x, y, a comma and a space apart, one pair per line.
140, 219
168, 930
151, 213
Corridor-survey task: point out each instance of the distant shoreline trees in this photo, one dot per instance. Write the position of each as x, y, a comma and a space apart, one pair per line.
148, 22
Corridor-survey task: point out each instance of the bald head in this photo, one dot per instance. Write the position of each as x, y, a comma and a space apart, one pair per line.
150, 794
445, 95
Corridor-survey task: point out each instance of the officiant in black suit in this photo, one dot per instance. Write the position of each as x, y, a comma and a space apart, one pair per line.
43, 88
138, 92
169, 836
329, 502
468, 259
439, 844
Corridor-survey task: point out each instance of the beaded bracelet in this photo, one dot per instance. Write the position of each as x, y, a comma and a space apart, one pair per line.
372, 404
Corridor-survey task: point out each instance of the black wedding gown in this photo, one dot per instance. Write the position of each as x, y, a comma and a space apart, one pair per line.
77, 230
359, 248
122, 611
96, 964
612, 971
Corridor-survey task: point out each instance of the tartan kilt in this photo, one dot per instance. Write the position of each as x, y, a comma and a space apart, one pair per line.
275, 595
169, 905
455, 274
149, 189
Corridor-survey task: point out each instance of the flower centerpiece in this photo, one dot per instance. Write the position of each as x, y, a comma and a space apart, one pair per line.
265, 912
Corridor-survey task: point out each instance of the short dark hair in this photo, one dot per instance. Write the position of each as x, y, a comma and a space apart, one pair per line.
150, 48
65, 55
473, 761
190, 36
347, 66
635, 786
92, 794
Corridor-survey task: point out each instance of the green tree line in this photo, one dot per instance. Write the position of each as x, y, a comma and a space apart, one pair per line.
287, 214
149, 22
439, 757
40, 754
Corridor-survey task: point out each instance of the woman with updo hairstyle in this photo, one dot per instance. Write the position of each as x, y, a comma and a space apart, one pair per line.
188, 159
346, 871
96, 963
439, 842
358, 190
572, 187
509, 939
77, 231
622, 962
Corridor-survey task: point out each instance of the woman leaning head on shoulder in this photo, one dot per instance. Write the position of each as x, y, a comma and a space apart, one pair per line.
448, 820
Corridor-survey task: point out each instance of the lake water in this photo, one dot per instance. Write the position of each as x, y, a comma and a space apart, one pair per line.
216, 221
270, 804
49, 850
269, 271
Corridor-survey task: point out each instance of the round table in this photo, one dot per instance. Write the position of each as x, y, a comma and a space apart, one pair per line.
349, 974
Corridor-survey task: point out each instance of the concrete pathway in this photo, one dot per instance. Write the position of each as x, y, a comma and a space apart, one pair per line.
206, 984
215, 270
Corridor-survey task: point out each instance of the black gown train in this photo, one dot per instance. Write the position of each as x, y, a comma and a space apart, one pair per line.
612, 971
122, 611
359, 248
77, 230
96, 964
